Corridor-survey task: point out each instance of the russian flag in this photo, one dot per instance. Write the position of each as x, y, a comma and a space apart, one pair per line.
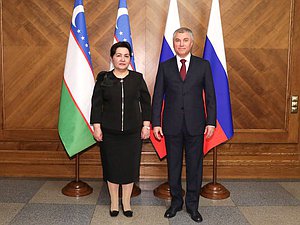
167, 52
214, 52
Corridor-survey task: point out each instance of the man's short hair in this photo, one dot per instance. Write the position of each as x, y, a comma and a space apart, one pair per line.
184, 30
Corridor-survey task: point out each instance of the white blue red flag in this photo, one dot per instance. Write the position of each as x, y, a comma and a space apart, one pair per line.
77, 88
214, 52
122, 30
167, 52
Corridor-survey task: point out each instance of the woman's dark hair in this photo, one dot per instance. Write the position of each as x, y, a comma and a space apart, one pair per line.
121, 44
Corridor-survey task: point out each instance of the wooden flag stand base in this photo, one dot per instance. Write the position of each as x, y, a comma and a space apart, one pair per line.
163, 191
77, 188
135, 190
214, 190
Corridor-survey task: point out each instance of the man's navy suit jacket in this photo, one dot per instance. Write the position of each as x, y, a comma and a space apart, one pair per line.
184, 99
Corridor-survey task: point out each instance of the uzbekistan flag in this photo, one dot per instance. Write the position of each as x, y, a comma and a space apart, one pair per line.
77, 88
167, 52
214, 52
122, 30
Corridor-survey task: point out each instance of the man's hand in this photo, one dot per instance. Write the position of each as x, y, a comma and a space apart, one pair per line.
209, 131
157, 131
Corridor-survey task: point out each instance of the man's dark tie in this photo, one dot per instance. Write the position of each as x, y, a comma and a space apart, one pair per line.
183, 69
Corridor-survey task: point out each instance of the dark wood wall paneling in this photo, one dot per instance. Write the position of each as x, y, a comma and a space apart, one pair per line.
262, 40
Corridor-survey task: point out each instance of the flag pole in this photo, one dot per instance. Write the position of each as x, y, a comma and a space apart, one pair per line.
214, 190
75, 103
77, 188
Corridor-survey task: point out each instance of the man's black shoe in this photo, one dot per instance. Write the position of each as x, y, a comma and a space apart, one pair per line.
195, 215
171, 212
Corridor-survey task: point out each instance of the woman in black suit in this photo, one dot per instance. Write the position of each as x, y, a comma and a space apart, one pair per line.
120, 115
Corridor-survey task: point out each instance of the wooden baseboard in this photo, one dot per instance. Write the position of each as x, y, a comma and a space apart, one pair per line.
232, 163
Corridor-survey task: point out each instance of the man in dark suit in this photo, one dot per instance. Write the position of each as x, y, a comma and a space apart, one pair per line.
180, 83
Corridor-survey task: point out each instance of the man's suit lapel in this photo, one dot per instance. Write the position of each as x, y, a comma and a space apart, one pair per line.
174, 67
191, 68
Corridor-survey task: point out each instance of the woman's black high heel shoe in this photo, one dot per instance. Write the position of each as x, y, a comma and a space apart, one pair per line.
113, 213
127, 213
